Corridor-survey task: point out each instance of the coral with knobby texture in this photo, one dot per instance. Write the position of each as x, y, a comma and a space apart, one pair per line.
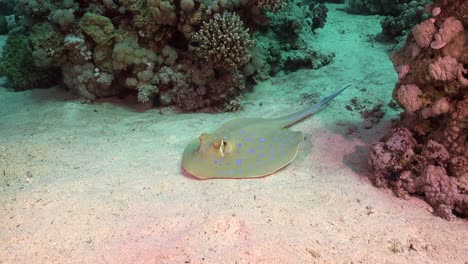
63, 17
271, 5
433, 91
424, 32
98, 27
88, 81
319, 15
47, 44
409, 97
400, 16
288, 46
445, 69
18, 65
449, 29
164, 11
391, 156
128, 53
190, 54
224, 41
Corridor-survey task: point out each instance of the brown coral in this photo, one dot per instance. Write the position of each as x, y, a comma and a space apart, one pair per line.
271, 5
224, 41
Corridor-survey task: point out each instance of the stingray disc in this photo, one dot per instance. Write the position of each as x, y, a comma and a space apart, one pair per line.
241, 148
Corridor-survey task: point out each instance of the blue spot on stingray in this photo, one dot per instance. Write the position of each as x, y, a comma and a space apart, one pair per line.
211, 156
262, 139
249, 139
251, 167
276, 138
272, 150
239, 162
224, 172
239, 144
252, 134
233, 171
241, 131
261, 155
251, 151
215, 162
221, 159
271, 158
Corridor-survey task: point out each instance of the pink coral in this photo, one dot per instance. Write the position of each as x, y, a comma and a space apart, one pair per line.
423, 33
444, 69
409, 97
450, 28
440, 190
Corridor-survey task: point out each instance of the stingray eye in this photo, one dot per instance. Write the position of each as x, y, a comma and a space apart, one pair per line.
217, 144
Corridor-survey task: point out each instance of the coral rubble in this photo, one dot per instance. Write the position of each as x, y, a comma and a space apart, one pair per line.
427, 153
195, 54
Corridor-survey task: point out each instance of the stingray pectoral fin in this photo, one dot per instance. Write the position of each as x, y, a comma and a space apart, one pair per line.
275, 156
277, 150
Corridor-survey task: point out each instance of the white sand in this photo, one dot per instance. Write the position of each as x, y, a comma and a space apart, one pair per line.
102, 184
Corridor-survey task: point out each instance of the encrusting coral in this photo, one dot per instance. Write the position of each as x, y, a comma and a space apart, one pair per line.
433, 90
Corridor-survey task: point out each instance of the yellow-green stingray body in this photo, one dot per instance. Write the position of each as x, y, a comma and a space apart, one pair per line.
248, 147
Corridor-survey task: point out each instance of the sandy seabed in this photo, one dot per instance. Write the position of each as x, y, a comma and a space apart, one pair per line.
101, 183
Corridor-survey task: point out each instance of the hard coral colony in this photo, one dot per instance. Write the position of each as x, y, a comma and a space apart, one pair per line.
192, 54
427, 153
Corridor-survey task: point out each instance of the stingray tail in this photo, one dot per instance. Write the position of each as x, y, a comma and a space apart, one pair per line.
296, 117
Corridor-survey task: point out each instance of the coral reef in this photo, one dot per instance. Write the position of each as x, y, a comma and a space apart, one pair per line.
431, 154
285, 43
399, 16
191, 54
18, 65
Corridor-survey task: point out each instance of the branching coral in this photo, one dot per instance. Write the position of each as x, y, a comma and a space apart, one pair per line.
224, 41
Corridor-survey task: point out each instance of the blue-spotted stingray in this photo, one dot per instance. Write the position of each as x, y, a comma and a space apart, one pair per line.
248, 147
